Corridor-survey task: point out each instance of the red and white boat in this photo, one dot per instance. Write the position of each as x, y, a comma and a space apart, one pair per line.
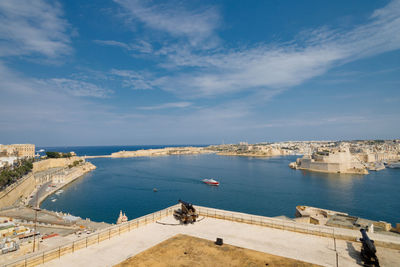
210, 182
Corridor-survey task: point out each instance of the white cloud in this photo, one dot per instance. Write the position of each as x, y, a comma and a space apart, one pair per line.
113, 43
15, 82
33, 27
77, 88
133, 79
167, 105
278, 66
195, 25
43, 102
140, 46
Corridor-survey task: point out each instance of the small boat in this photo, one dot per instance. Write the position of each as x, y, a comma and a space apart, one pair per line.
155, 189
395, 165
53, 200
59, 192
210, 182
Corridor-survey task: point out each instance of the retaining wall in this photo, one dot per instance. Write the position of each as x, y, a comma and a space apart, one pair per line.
20, 189
53, 163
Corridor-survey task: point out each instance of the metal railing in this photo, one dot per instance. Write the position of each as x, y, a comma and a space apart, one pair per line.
382, 240
267, 221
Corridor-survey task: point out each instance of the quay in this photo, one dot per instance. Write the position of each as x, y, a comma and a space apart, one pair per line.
320, 245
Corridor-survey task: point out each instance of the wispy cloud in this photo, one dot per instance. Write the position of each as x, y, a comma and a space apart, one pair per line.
33, 27
113, 43
167, 105
140, 46
77, 88
43, 101
133, 79
172, 17
264, 67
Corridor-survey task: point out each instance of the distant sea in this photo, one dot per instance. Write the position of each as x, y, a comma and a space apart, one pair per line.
263, 186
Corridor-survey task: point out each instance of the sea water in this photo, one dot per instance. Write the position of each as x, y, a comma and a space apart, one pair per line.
262, 186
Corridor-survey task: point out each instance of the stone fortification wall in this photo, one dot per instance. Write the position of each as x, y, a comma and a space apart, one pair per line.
321, 166
21, 189
53, 163
25, 186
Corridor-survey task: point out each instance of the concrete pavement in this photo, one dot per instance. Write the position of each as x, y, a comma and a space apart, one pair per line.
304, 247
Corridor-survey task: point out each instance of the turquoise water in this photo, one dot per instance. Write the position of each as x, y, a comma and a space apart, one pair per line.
263, 186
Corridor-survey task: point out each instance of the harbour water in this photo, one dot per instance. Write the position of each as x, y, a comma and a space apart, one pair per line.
263, 186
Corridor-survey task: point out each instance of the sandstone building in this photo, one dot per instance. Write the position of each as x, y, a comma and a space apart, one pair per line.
18, 150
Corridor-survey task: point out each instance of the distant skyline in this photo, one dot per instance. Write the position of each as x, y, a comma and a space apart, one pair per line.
123, 72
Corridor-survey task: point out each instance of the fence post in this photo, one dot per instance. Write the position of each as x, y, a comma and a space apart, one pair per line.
86, 242
73, 246
59, 252
109, 233
98, 238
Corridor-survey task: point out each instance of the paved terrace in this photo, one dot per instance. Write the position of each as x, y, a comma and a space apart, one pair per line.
251, 233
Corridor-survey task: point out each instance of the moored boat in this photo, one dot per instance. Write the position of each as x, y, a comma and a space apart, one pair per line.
395, 165
210, 182
59, 192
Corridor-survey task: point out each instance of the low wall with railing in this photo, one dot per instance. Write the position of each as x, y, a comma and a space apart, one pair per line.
383, 240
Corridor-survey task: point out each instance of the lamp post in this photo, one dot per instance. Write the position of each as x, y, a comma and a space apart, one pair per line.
34, 231
36, 209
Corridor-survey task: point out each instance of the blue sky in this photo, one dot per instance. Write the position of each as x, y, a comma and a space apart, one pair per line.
198, 72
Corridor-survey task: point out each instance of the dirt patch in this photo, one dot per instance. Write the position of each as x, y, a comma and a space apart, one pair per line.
183, 250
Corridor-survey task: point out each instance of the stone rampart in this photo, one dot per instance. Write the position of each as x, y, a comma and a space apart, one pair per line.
53, 163
21, 189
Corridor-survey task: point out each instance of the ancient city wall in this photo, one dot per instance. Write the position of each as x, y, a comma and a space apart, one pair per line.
25, 186
52, 163
320, 166
21, 189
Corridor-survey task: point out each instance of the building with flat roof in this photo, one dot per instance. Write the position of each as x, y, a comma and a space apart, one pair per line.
18, 150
